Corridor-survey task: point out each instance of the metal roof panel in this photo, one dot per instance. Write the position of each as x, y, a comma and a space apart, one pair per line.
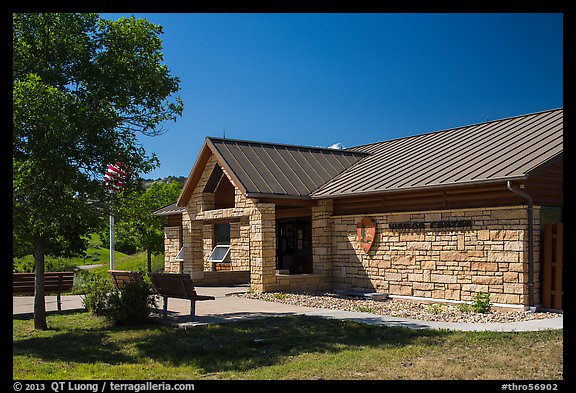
483, 152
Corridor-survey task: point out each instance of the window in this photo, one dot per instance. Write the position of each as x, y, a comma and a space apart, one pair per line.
222, 234
219, 253
180, 255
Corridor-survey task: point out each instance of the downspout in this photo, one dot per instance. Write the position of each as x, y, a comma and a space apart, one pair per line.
530, 243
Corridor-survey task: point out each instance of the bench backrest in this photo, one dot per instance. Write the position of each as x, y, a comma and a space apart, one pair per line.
173, 285
121, 277
54, 282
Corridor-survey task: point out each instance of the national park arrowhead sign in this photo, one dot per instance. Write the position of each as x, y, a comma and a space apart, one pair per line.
366, 230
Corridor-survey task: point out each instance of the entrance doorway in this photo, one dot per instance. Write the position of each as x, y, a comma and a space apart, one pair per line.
294, 245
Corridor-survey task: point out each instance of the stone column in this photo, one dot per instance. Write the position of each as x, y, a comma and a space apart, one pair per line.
322, 238
262, 246
171, 247
207, 245
193, 247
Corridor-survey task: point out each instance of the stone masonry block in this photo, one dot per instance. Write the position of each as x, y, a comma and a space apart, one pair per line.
442, 278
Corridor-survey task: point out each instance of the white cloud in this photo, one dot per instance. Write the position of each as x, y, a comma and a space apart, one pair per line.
337, 146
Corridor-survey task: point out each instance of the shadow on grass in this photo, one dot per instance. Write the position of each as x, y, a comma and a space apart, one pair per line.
238, 346
76, 347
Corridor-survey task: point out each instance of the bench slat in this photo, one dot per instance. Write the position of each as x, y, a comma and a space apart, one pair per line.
54, 282
122, 277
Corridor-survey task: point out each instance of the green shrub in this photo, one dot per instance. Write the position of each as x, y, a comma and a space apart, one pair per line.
27, 265
280, 296
60, 265
130, 305
434, 308
482, 303
94, 287
24, 265
464, 308
367, 309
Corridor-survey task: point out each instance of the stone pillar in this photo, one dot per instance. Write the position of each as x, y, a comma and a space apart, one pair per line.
193, 247
322, 238
207, 245
171, 248
262, 246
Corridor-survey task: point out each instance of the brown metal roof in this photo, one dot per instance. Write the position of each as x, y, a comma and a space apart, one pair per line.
498, 150
262, 169
277, 170
168, 210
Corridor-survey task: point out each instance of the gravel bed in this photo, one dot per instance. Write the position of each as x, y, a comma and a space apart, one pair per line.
396, 307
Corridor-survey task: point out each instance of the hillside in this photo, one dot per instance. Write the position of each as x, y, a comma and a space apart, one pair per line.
180, 179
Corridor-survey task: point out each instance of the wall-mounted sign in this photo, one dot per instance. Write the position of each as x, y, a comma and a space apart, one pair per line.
366, 230
442, 224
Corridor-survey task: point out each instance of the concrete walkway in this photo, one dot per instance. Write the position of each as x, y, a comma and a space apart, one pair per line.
232, 308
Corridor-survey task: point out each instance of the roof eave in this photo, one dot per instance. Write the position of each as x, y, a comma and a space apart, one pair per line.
421, 188
277, 196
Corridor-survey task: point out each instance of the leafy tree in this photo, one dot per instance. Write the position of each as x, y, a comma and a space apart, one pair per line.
136, 222
83, 88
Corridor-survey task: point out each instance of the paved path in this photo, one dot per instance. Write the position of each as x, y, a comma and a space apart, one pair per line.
90, 267
232, 308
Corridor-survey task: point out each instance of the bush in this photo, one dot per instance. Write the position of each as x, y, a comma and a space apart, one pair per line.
27, 265
130, 305
464, 308
482, 303
434, 308
95, 287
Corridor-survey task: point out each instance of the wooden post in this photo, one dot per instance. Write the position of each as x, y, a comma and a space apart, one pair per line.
165, 310
547, 271
192, 309
552, 266
58, 298
558, 304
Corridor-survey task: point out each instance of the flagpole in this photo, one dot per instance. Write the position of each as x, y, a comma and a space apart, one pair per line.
111, 236
114, 178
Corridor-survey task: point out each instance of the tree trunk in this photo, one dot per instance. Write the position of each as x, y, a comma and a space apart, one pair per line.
39, 300
149, 255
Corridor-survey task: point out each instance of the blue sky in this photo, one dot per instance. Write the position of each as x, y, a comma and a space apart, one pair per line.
321, 79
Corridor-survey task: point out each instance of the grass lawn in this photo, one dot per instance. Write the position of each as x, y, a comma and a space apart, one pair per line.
82, 346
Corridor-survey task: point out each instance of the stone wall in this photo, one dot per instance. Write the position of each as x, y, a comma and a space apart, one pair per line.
224, 278
171, 248
455, 264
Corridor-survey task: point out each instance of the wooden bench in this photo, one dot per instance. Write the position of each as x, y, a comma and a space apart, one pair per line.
178, 286
54, 282
121, 277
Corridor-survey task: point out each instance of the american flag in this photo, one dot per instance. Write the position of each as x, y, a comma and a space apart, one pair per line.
115, 176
